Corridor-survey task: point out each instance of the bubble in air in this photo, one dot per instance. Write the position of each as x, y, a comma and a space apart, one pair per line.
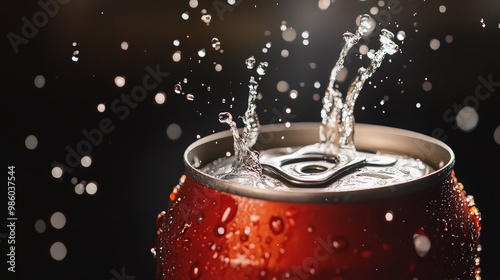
124, 45
289, 34
190, 96
58, 251
285, 53
435, 44
39, 81
282, 86
176, 43
231, 2
119, 81
418, 105
40, 226
176, 57
374, 10
427, 86
294, 94
31, 142
496, 135
363, 49
58, 220
389, 216
442, 9
193, 3
324, 4
448, 39
218, 67
160, 97
79, 188
174, 131
467, 118
86, 161
185, 16
202, 53
101, 107
422, 244
57, 172
91, 188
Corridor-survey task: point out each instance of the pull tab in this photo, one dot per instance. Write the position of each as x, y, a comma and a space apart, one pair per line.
309, 167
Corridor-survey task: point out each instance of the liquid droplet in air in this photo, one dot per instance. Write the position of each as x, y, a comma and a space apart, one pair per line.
261, 69
206, 19
250, 62
225, 117
178, 88
216, 44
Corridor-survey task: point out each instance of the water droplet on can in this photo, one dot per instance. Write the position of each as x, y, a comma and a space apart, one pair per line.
160, 219
276, 224
195, 271
340, 244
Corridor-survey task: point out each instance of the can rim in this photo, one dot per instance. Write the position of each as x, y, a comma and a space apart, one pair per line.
373, 137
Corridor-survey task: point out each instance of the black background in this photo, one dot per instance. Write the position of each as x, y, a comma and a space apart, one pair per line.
137, 164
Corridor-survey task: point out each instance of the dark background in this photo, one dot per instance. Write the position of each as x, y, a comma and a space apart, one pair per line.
109, 234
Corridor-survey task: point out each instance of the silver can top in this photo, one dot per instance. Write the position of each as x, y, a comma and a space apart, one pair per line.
311, 176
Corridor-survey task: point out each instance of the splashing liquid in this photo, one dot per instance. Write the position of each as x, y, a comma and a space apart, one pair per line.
336, 137
246, 161
337, 126
245, 167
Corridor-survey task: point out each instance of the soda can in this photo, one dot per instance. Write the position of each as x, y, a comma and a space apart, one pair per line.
425, 228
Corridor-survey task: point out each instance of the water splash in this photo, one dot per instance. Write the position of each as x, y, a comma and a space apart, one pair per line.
246, 161
388, 46
337, 126
251, 119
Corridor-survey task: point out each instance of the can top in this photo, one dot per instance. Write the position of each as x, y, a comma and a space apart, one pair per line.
276, 139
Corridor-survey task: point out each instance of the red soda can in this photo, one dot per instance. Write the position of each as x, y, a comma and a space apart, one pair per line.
423, 228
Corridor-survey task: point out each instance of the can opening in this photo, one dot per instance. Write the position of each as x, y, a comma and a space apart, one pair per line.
370, 138
313, 169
